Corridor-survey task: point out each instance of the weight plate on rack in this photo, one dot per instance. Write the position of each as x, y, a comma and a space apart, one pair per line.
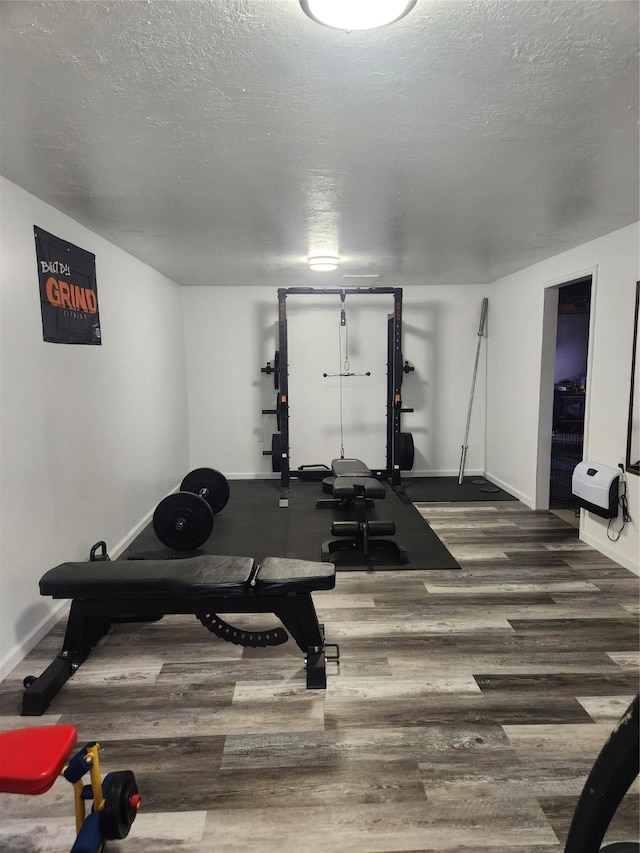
210, 485
276, 370
405, 451
183, 521
276, 452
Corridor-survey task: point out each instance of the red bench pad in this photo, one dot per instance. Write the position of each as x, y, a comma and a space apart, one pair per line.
31, 759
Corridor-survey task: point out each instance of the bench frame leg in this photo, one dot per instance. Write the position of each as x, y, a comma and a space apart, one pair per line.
81, 636
90, 619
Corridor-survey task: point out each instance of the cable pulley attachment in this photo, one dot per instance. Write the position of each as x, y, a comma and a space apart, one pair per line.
368, 373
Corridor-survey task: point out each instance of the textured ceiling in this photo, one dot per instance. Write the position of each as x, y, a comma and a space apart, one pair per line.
223, 142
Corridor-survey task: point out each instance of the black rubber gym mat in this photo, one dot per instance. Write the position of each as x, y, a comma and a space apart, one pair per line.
310, 527
253, 525
446, 489
246, 527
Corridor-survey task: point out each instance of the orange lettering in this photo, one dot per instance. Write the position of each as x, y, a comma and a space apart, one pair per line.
65, 300
64, 295
81, 299
52, 291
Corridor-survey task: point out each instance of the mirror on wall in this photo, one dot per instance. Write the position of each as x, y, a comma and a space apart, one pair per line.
633, 435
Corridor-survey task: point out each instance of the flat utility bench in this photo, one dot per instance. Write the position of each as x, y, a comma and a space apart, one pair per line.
106, 591
354, 488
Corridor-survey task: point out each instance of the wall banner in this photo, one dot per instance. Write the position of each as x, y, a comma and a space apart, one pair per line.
68, 291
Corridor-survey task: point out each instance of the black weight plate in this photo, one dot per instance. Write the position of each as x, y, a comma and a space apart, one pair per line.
276, 370
405, 451
276, 452
118, 812
210, 485
278, 418
183, 521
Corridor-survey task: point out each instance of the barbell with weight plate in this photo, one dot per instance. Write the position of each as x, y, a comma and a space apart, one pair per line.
183, 520
210, 485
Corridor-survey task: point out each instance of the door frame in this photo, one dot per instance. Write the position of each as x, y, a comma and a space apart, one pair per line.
547, 377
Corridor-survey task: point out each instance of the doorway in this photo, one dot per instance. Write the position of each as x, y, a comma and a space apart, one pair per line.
569, 389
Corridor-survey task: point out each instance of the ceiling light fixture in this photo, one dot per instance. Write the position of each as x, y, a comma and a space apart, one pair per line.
356, 14
326, 263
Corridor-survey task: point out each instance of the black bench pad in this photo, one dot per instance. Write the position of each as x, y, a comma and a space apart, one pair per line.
278, 575
195, 577
349, 487
204, 576
350, 468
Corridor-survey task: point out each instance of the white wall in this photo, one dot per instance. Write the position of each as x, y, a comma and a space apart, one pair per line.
92, 436
514, 374
230, 333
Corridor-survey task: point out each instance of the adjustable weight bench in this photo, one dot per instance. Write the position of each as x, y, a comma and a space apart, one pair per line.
354, 488
109, 591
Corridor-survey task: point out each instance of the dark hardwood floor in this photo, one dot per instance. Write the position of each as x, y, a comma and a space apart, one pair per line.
465, 715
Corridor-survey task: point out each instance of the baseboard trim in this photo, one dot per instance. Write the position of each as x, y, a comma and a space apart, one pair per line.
406, 475
124, 543
609, 552
19, 652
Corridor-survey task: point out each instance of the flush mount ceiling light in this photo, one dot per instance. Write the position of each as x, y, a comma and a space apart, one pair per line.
326, 263
356, 14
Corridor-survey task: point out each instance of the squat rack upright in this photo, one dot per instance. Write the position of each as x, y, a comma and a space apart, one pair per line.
399, 454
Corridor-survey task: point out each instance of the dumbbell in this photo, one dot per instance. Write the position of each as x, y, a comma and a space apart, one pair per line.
183, 521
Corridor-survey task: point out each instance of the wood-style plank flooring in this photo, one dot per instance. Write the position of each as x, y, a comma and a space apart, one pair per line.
465, 714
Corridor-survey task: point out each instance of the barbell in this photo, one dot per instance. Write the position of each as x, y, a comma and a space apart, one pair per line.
183, 520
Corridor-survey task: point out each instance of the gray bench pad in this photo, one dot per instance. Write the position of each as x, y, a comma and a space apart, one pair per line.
194, 577
281, 575
350, 468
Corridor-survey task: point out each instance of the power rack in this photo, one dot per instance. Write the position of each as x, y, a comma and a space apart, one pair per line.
399, 455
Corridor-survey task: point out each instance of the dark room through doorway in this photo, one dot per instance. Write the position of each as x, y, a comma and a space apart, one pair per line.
569, 390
